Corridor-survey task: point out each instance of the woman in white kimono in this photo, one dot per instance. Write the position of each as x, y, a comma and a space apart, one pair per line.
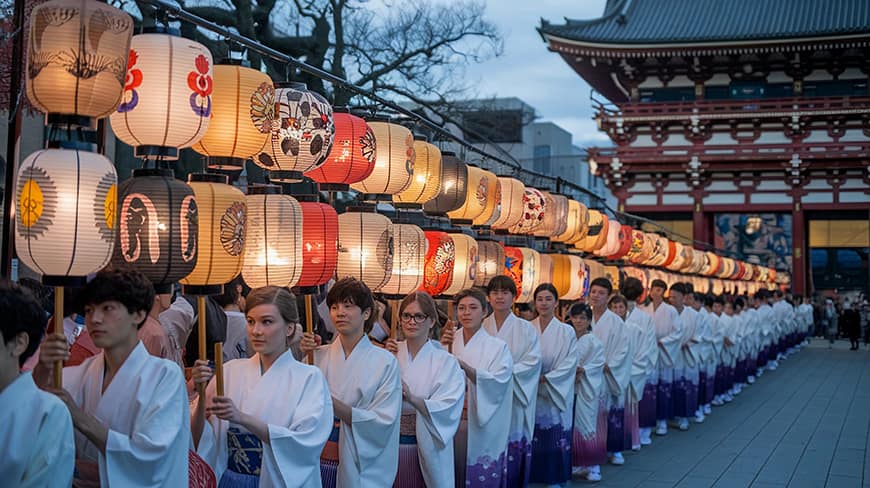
275, 414
551, 444
433, 388
589, 440
480, 444
619, 305
366, 388
644, 385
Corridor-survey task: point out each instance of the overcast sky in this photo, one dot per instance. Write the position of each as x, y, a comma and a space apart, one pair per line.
527, 70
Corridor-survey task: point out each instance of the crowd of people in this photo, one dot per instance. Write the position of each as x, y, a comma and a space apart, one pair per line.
470, 394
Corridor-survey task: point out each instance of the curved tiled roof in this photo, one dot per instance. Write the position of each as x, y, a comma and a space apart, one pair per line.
674, 22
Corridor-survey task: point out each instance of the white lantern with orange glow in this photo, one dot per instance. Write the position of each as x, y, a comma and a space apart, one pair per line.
365, 248
394, 161
464, 265
409, 259
509, 203
426, 181
273, 251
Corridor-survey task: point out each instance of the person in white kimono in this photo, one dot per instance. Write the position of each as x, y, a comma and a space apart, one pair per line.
129, 408
551, 444
739, 338
645, 392
37, 429
610, 330
366, 388
669, 339
619, 305
433, 388
589, 440
522, 340
706, 328
767, 327
275, 415
686, 367
728, 356
805, 312
480, 444
784, 313
751, 336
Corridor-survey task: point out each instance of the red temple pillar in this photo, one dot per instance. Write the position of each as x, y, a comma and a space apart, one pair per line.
701, 224
799, 250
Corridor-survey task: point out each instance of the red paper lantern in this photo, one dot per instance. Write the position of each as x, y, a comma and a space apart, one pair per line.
352, 157
440, 255
319, 235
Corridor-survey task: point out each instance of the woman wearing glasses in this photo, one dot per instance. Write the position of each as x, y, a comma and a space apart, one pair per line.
433, 388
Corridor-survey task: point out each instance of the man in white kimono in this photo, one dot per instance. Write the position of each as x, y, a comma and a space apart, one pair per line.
707, 358
37, 429
129, 408
522, 340
686, 367
784, 313
669, 338
752, 336
610, 330
366, 387
805, 313
644, 387
767, 329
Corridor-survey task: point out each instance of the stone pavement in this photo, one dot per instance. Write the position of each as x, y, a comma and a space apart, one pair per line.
803, 425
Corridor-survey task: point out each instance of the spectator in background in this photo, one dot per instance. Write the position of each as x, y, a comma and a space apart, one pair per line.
852, 325
524, 311
830, 322
236, 343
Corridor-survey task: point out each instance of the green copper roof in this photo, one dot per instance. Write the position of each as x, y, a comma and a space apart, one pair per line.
669, 22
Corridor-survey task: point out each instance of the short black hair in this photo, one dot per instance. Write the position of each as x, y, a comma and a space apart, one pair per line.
717, 299
740, 302
546, 287
128, 286
354, 291
632, 289
21, 312
657, 283
473, 293
778, 294
580, 309
502, 283
700, 297
603, 283
690, 288
230, 294
679, 288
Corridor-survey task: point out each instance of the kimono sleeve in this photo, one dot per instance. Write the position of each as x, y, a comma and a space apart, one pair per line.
161, 427
372, 422
296, 448
54, 453
493, 383
670, 344
527, 368
559, 381
445, 403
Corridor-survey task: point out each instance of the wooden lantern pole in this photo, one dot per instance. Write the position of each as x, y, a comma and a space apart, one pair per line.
309, 323
57, 368
200, 314
219, 367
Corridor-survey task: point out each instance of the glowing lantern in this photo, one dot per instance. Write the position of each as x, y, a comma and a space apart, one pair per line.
409, 259
672, 253
394, 160
612, 274
301, 131
76, 58
587, 278
595, 226
572, 222
510, 203
233, 136
465, 264
427, 175
319, 238
659, 252
545, 273
167, 102
273, 247
157, 227
556, 218
365, 248
220, 240
65, 213
624, 242
522, 266
680, 255
611, 243
479, 197
602, 236
534, 209
490, 261
491, 186
568, 276
352, 157
440, 255
454, 181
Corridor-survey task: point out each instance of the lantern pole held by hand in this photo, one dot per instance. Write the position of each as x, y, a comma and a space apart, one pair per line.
309, 323
57, 368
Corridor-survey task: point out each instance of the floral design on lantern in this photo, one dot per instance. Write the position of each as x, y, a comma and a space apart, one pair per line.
263, 108
440, 256
369, 145
233, 229
534, 207
200, 82
133, 80
105, 206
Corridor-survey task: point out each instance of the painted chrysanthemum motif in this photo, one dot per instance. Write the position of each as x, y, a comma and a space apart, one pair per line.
105, 206
368, 146
482, 189
233, 228
37, 203
263, 108
306, 127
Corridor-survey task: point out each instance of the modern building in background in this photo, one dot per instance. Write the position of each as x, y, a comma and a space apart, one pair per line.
744, 124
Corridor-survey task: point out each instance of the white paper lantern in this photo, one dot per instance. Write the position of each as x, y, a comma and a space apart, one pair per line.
394, 161
273, 247
365, 248
464, 265
409, 260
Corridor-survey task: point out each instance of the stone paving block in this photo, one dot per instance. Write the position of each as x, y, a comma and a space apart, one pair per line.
696, 482
843, 482
766, 484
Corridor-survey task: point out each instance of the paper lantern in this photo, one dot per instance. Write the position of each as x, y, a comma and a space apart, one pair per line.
624, 245
612, 273
352, 157
672, 254
365, 248
490, 261
595, 226
572, 223
167, 102
534, 209
523, 265
587, 278
545, 269
236, 132
681, 253
509, 203
65, 213
556, 218
440, 255
454, 181
602, 236
157, 227
479, 195
394, 161
220, 242
76, 58
568, 276
464, 265
489, 187
409, 259
427, 175
319, 238
301, 130
273, 247
611, 243
659, 252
